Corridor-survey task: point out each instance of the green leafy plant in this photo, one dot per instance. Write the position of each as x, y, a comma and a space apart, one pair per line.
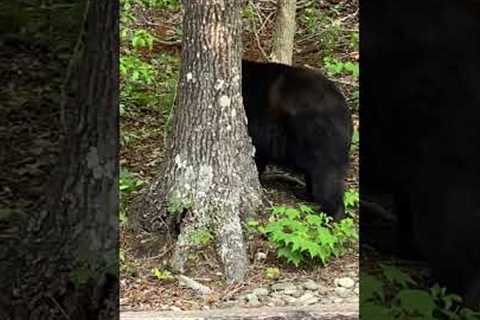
163, 276
126, 266
395, 295
351, 199
300, 235
141, 39
202, 237
255, 226
136, 71
248, 11
176, 206
173, 5
327, 29
354, 40
355, 139
335, 67
123, 216
129, 182
272, 273
148, 81
137, 79
311, 20
151, 4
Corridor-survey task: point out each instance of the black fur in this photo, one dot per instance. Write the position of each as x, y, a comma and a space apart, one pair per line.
420, 135
298, 119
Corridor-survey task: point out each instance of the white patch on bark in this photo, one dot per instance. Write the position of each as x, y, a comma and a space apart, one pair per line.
189, 77
109, 169
205, 178
224, 101
180, 162
93, 163
219, 84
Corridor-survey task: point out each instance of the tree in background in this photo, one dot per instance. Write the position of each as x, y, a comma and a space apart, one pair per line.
284, 32
60, 260
209, 181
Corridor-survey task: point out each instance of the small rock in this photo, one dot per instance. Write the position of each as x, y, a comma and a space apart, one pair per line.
342, 292
323, 291
283, 286
252, 299
356, 291
345, 282
306, 299
260, 256
289, 299
261, 292
230, 304
277, 302
337, 300
294, 292
175, 308
311, 285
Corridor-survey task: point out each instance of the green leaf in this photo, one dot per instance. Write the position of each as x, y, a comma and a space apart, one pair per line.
467, 314
395, 275
278, 210
372, 311
306, 209
325, 237
314, 220
292, 213
297, 235
417, 301
371, 288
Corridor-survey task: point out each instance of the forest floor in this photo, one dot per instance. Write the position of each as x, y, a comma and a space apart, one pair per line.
327, 38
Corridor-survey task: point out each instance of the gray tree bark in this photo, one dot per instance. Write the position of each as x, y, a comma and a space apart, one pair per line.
284, 32
209, 182
61, 262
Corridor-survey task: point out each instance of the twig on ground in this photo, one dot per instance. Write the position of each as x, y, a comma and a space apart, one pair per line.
192, 284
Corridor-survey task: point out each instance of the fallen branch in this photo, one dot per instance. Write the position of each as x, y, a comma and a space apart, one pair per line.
192, 284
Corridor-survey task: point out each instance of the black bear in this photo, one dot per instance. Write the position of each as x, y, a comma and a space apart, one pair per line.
420, 135
298, 119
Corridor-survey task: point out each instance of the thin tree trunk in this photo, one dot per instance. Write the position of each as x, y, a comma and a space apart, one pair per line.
64, 261
284, 32
210, 180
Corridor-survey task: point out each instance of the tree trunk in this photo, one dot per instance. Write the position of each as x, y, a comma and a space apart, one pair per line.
209, 182
284, 32
63, 261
